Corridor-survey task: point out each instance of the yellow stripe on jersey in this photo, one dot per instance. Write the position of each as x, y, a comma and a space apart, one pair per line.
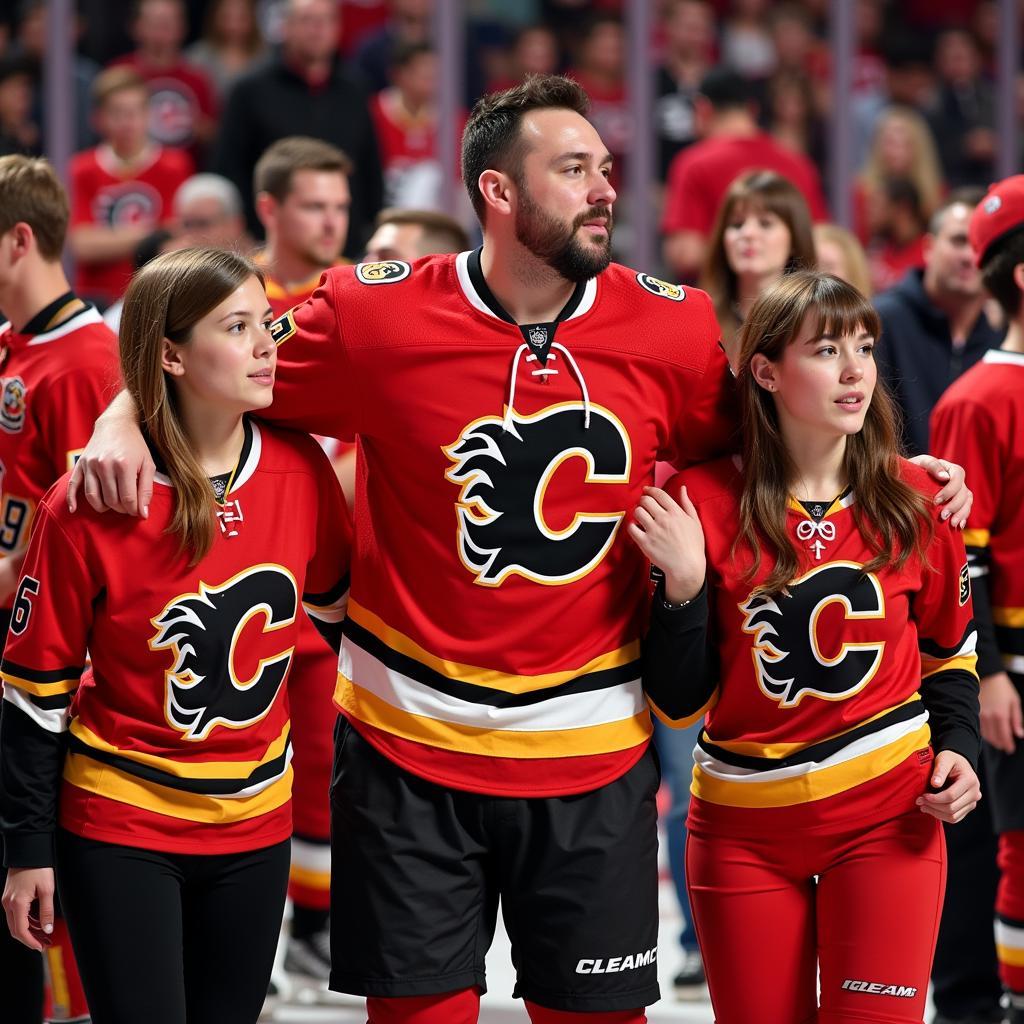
1012, 617
974, 538
963, 662
310, 879
1010, 956
106, 781
813, 785
492, 678
777, 751
366, 707
185, 769
682, 723
53, 689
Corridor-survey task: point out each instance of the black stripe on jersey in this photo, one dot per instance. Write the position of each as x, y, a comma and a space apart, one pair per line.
1010, 922
42, 677
474, 694
1010, 639
816, 751
328, 597
933, 650
204, 787
54, 703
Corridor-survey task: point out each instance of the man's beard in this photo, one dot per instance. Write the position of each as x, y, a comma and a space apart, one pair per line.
557, 244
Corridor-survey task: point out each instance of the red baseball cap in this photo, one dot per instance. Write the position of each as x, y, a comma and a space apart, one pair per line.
999, 213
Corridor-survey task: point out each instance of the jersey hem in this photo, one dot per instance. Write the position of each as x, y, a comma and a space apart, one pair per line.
162, 844
454, 782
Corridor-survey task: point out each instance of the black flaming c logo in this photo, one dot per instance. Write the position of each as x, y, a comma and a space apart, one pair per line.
504, 477
202, 631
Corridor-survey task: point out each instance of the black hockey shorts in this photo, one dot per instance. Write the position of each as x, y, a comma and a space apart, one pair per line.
167, 937
1004, 779
417, 871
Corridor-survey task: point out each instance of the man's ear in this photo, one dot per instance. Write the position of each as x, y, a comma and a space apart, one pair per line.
497, 190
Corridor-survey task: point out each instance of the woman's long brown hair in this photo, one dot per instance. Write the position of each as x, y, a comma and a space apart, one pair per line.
166, 299
891, 515
760, 190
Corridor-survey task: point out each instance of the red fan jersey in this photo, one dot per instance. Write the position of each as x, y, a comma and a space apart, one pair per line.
54, 383
179, 733
493, 635
820, 687
979, 422
107, 193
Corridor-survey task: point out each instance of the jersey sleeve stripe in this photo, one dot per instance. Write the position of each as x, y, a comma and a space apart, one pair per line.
933, 666
329, 598
43, 677
1012, 618
67, 685
52, 719
974, 538
967, 644
682, 723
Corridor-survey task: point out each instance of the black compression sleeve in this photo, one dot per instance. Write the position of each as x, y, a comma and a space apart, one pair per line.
989, 661
31, 762
678, 672
951, 699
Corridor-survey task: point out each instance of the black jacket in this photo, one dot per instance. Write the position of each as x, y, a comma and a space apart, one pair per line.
916, 356
271, 102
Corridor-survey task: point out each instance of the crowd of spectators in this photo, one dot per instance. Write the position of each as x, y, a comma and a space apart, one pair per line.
226, 78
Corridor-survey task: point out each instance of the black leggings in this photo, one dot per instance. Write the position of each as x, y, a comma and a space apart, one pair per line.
21, 978
171, 938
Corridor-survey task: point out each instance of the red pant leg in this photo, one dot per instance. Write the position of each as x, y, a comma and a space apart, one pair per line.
462, 1007
1010, 912
310, 689
543, 1015
879, 904
754, 915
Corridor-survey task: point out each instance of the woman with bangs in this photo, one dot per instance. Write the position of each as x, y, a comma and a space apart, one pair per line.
838, 683
763, 231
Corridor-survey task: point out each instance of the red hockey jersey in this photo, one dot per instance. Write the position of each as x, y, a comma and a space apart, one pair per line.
53, 384
104, 193
819, 688
493, 635
179, 732
979, 422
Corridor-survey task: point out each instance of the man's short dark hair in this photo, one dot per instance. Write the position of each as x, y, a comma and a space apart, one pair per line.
726, 90
441, 233
997, 271
969, 196
405, 51
492, 139
280, 160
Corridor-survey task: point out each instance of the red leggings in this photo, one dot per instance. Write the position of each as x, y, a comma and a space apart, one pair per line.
869, 922
1010, 911
463, 1007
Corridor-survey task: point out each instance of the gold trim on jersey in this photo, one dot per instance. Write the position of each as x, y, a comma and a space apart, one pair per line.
491, 678
607, 738
811, 784
682, 723
106, 781
184, 769
320, 880
975, 538
54, 689
1010, 617
780, 750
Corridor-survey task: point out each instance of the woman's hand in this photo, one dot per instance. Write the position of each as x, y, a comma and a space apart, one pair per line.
670, 535
956, 496
25, 886
959, 789
115, 470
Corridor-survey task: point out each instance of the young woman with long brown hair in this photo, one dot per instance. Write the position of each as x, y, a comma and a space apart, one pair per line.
762, 231
842, 657
172, 758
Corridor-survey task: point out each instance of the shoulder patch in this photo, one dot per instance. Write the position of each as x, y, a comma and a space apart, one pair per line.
384, 272
965, 585
663, 288
282, 328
